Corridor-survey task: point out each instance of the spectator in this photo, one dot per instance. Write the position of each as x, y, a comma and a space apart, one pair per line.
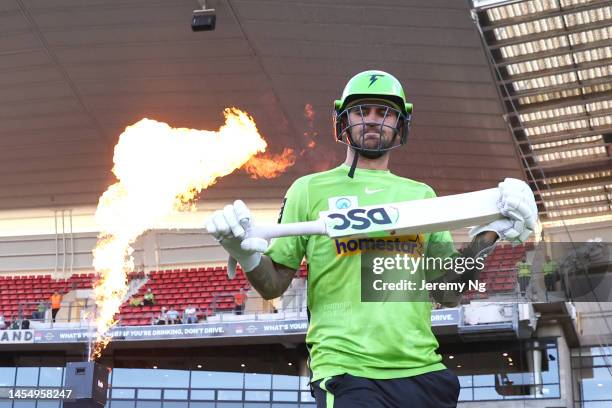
136, 301
24, 324
2, 322
190, 315
56, 301
39, 314
149, 298
15, 324
173, 316
162, 318
239, 301
523, 269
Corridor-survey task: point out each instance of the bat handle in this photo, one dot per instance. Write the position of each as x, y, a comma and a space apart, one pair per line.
288, 230
279, 230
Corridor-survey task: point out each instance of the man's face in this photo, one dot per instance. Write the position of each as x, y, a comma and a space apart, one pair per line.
372, 124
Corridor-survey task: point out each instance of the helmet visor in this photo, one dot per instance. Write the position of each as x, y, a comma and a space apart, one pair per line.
370, 127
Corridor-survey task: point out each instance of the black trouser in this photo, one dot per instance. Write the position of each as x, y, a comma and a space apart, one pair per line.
437, 389
549, 281
54, 312
523, 283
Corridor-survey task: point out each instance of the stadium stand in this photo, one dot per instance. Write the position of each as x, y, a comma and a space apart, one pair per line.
180, 287
29, 290
499, 273
208, 288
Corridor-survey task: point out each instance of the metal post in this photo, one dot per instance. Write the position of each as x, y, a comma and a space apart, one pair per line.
56, 245
71, 245
64, 243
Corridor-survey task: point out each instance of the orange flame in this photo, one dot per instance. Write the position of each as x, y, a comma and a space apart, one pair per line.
309, 113
160, 170
270, 166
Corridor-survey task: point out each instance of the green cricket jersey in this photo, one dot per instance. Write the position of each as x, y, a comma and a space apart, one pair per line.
378, 340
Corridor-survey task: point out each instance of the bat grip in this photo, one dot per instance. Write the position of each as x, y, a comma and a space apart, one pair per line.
268, 232
288, 230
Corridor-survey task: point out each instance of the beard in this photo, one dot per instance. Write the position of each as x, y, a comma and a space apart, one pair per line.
373, 152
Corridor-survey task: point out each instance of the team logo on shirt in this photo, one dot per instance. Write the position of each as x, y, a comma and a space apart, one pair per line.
342, 203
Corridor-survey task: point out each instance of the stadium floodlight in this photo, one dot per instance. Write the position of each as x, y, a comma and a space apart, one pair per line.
592, 152
540, 64
600, 209
544, 81
579, 177
548, 114
590, 36
599, 105
535, 46
521, 9
596, 88
203, 19
569, 191
549, 96
593, 54
485, 4
599, 121
589, 199
568, 142
557, 127
528, 28
594, 73
588, 16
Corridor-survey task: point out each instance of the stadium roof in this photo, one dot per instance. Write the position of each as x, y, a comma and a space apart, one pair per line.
74, 74
552, 60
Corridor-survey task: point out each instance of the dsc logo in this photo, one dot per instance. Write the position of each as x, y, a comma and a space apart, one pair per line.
361, 219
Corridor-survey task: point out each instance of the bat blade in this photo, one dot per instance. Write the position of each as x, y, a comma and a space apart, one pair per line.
418, 216
402, 218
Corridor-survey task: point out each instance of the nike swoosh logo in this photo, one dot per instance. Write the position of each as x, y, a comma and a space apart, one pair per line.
368, 191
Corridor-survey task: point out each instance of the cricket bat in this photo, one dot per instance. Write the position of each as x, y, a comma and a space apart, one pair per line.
401, 218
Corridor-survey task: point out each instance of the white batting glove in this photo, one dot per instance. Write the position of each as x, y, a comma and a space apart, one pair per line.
229, 227
518, 205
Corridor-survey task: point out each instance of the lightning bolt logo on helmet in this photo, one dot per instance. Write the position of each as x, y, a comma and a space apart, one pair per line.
373, 78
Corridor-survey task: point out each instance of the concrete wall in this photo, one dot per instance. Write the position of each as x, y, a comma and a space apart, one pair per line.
594, 322
44, 254
581, 233
49, 241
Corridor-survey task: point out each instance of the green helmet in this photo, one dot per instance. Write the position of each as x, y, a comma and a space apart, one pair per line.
371, 85
377, 84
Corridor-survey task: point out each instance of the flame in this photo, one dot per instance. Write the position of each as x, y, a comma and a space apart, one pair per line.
309, 134
160, 171
309, 113
270, 166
